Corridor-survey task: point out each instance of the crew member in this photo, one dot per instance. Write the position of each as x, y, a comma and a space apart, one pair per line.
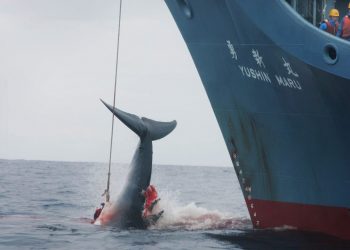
344, 27
98, 211
151, 196
331, 26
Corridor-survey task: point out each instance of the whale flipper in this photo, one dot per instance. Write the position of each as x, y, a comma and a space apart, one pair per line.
140, 126
153, 219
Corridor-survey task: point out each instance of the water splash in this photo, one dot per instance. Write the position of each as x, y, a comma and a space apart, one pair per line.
194, 217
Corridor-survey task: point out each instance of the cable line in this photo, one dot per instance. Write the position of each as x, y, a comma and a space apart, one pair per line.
114, 94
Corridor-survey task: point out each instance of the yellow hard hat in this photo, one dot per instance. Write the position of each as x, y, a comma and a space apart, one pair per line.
334, 12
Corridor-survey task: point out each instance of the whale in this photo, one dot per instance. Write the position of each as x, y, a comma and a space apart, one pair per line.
126, 212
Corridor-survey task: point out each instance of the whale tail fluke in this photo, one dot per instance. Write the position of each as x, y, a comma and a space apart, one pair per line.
158, 130
143, 126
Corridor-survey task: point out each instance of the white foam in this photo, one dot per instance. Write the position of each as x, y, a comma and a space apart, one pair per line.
193, 217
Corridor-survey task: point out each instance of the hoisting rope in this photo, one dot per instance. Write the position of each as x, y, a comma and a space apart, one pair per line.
115, 87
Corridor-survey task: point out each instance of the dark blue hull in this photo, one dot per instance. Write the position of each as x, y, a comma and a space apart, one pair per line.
280, 91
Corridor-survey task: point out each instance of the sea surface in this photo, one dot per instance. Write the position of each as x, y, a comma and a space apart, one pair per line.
49, 205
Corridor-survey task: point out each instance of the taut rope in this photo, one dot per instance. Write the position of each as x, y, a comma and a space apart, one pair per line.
115, 88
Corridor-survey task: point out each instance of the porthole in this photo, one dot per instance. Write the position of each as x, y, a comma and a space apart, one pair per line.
185, 7
330, 54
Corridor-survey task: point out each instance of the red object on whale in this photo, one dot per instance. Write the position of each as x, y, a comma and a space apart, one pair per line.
150, 195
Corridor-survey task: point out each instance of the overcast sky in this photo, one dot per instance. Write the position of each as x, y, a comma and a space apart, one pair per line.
58, 58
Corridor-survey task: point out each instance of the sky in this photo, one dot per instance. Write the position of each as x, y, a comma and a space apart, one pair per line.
58, 59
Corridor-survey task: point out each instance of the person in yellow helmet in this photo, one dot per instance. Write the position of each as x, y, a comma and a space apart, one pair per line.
332, 25
344, 27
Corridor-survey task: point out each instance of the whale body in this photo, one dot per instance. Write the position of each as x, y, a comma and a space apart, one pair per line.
127, 210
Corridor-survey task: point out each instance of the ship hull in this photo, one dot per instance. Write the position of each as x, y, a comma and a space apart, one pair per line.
279, 90
331, 220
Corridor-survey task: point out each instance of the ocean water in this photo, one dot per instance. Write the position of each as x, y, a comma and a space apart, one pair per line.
49, 205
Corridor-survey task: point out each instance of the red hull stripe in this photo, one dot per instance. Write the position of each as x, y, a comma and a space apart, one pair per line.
331, 220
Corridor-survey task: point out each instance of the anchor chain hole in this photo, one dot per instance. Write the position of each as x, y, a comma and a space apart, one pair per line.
330, 54
186, 8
